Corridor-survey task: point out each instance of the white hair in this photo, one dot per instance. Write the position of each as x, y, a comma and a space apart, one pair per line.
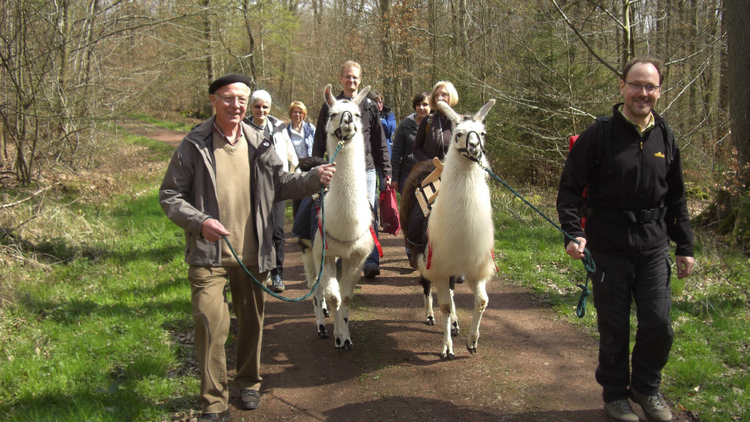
261, 94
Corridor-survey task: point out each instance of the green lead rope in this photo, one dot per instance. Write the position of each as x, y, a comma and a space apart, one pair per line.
322, 260
588, 261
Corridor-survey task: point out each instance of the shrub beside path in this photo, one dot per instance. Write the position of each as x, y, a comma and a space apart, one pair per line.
532, 365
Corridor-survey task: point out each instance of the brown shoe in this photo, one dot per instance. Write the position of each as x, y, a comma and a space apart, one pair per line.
215, 417
620, 411
249, 399
654, 407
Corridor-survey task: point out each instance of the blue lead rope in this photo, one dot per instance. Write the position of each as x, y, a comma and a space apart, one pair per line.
322, 259
588, 261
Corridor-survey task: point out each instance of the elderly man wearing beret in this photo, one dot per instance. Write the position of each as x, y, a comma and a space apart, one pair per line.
222, 181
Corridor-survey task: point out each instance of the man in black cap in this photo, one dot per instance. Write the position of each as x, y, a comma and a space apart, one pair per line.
222, 181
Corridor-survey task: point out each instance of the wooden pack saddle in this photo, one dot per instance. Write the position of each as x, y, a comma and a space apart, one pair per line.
428, 191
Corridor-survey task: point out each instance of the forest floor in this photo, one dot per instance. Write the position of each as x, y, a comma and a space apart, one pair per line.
532, 364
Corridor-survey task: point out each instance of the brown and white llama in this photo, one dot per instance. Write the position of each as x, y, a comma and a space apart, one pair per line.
460, 230
348, 218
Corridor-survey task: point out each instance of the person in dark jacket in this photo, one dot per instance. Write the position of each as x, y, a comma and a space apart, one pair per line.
434, 133
222, 180
636, 205
432, 140
388, 123
403, 141
376, 147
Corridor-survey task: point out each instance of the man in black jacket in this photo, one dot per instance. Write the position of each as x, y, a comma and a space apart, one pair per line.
376, 146
636, 205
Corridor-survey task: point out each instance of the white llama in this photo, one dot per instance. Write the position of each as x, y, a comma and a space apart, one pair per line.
348, 219
460, 228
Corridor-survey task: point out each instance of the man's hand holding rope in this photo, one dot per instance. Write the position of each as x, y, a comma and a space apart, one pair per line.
325, 173
576, 250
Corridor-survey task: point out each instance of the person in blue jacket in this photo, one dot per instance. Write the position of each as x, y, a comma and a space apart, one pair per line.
388, 121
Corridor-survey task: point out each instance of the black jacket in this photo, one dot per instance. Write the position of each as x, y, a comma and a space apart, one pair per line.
640, 179
376, 147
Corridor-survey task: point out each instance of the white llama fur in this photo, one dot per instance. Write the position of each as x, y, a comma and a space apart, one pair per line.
460, 227
348, 218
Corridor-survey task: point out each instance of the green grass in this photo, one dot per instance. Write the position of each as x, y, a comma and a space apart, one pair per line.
708, 368
94, 338
181, 127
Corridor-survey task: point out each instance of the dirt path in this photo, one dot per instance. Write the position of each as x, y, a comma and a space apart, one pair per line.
531, 365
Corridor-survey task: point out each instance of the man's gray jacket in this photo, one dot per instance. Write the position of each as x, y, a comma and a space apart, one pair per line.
188, 193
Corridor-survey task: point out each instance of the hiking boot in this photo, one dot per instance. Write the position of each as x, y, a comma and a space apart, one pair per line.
249, 399
371, 270
620, 411
214, 417
276, 284
654, 407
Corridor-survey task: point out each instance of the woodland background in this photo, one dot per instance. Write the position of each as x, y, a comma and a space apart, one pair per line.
70, 68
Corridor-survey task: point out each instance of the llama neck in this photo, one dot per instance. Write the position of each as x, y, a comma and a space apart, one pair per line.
351, 169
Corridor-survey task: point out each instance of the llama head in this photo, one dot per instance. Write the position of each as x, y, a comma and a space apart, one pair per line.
344, 115
468, 131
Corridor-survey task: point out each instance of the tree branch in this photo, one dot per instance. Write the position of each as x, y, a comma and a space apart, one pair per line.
585, 43
13, 204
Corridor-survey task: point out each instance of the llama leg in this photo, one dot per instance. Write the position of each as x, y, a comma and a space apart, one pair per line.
311, 260
480, 304
427, 287
445, 300
350, 270
332, 295
455, 329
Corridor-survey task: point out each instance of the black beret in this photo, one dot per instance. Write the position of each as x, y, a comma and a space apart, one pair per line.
230, 78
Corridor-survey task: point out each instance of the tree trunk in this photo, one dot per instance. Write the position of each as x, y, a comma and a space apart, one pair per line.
246, 15
737, 16
3, 151
209, 50
723, 77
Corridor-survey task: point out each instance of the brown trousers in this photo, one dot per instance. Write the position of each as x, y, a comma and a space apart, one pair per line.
211, 317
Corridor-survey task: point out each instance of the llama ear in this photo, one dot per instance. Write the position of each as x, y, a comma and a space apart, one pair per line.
448, 111
361, 96
482, 113
327, 95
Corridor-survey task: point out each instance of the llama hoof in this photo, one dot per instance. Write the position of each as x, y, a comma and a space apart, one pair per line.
322, 332
430, 321
347, 346
455, 329
446, 356
472, 350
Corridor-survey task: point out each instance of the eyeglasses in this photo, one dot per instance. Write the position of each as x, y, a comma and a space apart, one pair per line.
649, 88
230, 99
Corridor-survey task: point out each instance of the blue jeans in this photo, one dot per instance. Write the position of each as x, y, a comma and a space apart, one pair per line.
372, 197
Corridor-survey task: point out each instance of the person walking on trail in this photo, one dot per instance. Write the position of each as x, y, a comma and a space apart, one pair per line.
376, 147
402, 159
222, 181
636, 205
388, 123
273, 131
301, 134
432, 140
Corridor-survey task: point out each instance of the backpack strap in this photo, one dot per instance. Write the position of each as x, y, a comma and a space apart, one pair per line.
603, 147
